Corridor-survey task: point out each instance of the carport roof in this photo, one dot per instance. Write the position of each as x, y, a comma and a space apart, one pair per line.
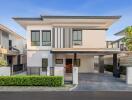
96, 51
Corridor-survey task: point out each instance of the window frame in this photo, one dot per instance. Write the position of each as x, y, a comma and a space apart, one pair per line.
43, 68
46, 35
77, 61
32, 39
58, 59
77, 37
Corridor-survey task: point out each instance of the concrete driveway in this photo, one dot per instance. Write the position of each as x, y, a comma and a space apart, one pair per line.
101, 82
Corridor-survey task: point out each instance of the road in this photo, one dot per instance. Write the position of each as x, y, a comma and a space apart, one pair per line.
82, 95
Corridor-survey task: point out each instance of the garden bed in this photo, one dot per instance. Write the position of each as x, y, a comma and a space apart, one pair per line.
50, 81
110, 69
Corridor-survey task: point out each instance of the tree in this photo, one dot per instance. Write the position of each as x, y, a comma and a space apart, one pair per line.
128, 38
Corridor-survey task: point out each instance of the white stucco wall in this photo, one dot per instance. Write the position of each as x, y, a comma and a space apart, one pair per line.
18, 43
86, 62
5, 71
93, 39
34, 58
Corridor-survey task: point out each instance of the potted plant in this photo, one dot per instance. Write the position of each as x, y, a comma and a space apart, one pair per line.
5, 70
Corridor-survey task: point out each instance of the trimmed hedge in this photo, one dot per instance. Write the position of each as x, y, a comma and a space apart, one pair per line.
110, 69
51, 81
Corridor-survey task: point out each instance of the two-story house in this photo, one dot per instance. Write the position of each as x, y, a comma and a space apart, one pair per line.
12, 46
119, 42
66, 41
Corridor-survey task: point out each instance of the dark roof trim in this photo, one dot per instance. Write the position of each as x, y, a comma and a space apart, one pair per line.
90, 28
118, 40
67, 17
120, 32
91, 52
34, 19
83, 17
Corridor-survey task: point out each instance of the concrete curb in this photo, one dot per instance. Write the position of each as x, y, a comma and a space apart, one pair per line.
73, 87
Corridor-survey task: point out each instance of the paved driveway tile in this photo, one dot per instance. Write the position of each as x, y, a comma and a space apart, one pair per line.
101, 82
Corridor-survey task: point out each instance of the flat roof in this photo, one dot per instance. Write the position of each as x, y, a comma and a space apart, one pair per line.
67, 17
96, 22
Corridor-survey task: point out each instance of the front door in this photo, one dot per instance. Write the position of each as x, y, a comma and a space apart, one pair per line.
68, 65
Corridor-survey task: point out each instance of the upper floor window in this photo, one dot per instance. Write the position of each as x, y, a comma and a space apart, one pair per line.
77, 37
35, 38
46, 38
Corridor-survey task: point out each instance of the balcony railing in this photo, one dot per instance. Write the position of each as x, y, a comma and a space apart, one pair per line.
35, 43
46, 43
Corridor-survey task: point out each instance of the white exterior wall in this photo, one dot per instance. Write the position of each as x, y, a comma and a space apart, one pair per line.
86, 62
34, 58
21, 45
18, 43
36, 53
93, 39
5, 71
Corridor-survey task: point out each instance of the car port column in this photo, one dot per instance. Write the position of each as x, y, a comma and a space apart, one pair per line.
101, 63
75, 70
116, 67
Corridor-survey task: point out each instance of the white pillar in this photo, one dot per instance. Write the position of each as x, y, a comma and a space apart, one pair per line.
75, 75
64, 63
48, 71
129, 75
59, 71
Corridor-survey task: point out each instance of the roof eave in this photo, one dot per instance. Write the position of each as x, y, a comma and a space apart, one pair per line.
83, 17
66, 17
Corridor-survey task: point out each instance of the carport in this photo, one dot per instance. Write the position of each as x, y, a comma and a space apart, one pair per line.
95, 52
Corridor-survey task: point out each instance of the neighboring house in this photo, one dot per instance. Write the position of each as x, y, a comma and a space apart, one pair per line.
12, 46
125, 56
117, 43
66, 41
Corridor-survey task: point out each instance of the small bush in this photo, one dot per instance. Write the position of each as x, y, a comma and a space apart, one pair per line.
3, 63
51, 81
110, 69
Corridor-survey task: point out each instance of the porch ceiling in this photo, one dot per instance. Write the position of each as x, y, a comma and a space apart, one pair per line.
92, 51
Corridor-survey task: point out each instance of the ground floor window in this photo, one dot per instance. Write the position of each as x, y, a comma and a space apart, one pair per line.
77, 62
59, 61
44, 64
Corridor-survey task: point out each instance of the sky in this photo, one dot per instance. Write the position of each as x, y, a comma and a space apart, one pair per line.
35, 8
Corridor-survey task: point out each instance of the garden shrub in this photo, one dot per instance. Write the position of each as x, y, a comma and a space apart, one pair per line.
51, 81
110, 69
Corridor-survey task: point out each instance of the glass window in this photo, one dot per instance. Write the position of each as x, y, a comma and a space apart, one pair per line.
77, 37
59, 61
44, 64
77, 62
46, 38
35, 38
